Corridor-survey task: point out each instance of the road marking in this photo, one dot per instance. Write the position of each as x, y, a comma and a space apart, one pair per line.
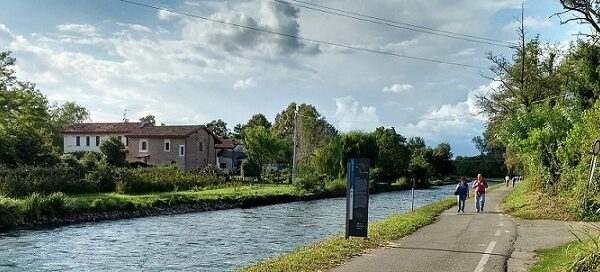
498, 232
485, 257
501, 224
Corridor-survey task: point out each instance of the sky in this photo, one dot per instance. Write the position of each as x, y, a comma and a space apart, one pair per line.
114, 57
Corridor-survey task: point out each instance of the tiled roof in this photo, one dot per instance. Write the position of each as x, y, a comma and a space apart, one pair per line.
226, 144
104, 127
166, 131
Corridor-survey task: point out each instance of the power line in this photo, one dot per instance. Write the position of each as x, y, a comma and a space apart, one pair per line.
395, 24
302, 38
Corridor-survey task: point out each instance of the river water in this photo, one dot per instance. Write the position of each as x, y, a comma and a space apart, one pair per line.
222, 240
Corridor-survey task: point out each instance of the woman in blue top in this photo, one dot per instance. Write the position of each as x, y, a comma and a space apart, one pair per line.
462, 189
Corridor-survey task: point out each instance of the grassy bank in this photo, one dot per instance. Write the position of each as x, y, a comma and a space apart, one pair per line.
527, 203
61, 209
334, 251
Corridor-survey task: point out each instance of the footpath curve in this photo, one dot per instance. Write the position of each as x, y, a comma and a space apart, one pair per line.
467, 241
470, 241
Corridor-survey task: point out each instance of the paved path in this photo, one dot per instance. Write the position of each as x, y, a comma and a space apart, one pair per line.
489, 241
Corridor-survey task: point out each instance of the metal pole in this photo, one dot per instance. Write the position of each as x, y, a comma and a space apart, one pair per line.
412, 204
590, 177
295, 139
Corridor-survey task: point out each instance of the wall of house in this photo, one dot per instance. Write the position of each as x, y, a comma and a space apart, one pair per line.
199, 159
70, 142
156, 151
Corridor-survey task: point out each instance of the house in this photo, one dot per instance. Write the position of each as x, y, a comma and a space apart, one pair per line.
88, 136
230, 154
190, 147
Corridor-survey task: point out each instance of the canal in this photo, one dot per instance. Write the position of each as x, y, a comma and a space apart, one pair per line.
222, 240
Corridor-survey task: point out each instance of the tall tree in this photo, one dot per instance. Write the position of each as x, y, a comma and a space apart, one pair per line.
394, 155
219, 128
25, 131
442, 160
64, 116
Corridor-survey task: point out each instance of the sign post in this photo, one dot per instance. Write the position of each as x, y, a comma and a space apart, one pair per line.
357, 197
595, 151
412, 201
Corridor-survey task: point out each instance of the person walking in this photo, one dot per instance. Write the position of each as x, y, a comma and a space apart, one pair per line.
480, 184
462, 191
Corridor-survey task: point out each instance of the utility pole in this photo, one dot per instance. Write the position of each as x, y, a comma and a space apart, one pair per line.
294, 162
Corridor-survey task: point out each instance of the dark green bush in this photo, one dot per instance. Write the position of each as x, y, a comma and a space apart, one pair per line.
24, 181
250, 169
10, 215
103, 179
162, 179
37, 206
310, 182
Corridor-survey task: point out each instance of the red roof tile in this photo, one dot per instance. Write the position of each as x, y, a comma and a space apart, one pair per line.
226, 144
169, 131
104, 127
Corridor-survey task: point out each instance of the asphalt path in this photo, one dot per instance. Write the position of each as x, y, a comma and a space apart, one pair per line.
467, 241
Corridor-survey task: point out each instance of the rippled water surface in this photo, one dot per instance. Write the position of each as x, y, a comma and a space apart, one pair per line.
209, 241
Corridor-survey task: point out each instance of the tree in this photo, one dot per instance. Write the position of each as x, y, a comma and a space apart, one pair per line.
150, 119
582, 11
258, 119
255, 121
329, 159
419, 166
112, 149
262, 147
25, 131
313, 130
394, 155
64, 116
219, 128
358, 144
442, 160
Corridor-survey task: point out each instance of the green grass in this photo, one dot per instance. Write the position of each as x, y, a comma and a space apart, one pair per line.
333, 251
526, 203
36, 208
556, 259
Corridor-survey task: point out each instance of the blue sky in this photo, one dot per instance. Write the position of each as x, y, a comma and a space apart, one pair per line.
110, 56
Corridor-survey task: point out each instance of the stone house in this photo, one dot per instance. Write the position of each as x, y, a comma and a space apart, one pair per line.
88, 136
190, 147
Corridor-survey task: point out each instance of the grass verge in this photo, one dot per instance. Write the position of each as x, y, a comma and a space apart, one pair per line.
576, 256
56, 208
333, 251
526, 203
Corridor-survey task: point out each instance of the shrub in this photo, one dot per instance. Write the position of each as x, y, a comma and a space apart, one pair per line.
310, 182
250, 169
36, 206
336, 185
24, 181
111, 204
10, 215
377, 175
403, 183
162, 179
103, 179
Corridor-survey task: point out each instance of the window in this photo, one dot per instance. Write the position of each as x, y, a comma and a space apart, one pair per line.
167, 145
143, 145
87, 140
201, 146
97, 140
181, 150
77, 141
120, 138
126, 141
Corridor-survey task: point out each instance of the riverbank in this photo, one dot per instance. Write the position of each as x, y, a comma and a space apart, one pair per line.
333, 251
547, 229
60, 209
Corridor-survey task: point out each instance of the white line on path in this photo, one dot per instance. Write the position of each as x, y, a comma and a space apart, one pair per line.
485, 257
498, 232
501, 224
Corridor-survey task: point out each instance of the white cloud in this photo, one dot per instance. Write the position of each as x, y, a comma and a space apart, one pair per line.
78, 28
529, 22
398, 88
460, 120
135, 27
165, 15
350, 116
245, 83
